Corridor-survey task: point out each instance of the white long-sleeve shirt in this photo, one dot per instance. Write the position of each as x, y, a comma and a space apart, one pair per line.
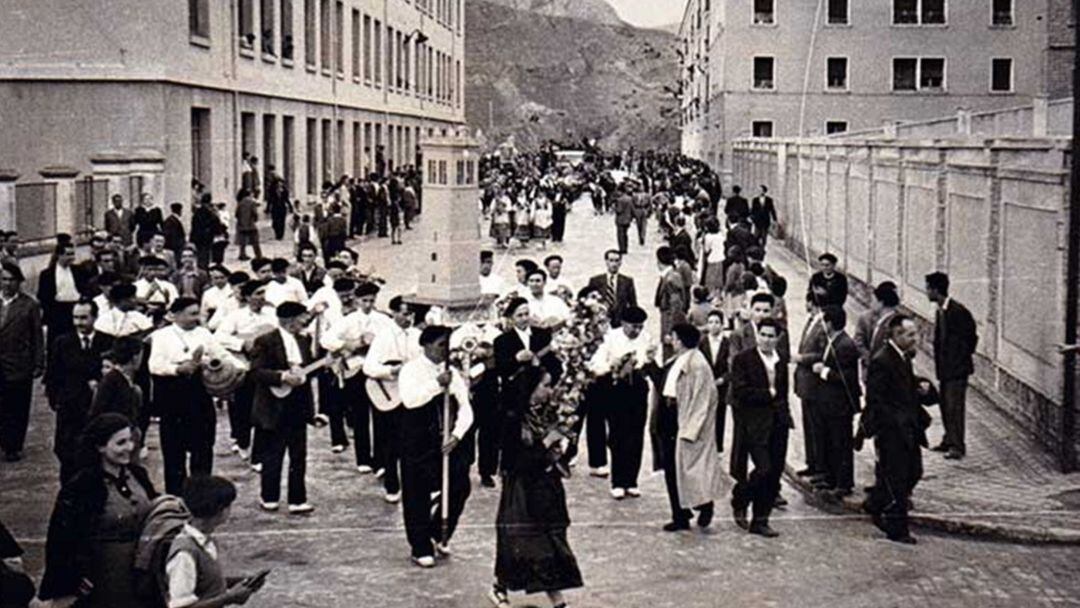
615, 346
242, 324
292, 290
419, 384
213, 299
393, 344
118, 323
173, 346
548, 307
157, 291
352, 327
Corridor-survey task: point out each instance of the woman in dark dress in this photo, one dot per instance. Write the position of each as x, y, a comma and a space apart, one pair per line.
97, 521
532, 552
148, 220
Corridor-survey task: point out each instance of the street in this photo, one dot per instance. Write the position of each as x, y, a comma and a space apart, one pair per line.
352, 550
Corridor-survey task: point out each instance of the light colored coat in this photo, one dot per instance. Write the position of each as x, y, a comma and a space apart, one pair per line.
697, 462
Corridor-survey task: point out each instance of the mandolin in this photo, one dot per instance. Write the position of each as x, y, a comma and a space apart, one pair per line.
284, 390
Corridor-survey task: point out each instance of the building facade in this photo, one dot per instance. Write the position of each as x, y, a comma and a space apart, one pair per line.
775, 68
150, 94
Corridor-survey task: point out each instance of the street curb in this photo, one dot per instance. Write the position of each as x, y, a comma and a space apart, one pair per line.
952, 525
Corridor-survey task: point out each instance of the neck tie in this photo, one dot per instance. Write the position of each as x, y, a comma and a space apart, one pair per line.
86, 342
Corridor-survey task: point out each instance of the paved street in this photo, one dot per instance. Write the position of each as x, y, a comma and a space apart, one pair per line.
352, 551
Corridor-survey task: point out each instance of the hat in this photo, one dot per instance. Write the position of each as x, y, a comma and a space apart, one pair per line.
344, 284
336, 264
239, 278
513, 305
251, 287
180, 304
279, 265
152, 261
367, 289
290, 310
121, 291
634, 314
433, 333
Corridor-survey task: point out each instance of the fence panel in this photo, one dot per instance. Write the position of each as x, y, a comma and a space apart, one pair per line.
35, 211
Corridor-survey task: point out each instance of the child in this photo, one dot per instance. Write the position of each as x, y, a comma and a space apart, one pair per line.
524, 220
700, 309
500, 222
541, 220
193, 571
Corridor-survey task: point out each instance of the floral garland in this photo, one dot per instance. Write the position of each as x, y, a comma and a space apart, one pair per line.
553, 413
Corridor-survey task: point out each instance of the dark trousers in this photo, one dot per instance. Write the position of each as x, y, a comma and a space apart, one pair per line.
387, 448
596, 425
761, 231
839, 453
70, 422
217, 251
240, 415
760, 487
721, 422
488, 429
669, 432
421, 478
333, 403
188, 426
15, 396
277, 221
622, 236
898, 469
953, 397
358, 409
811, 426
290, 437
202, 255
558, 223
642, 229
627, 410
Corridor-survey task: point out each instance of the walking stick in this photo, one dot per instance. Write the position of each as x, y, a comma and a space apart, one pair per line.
445, 495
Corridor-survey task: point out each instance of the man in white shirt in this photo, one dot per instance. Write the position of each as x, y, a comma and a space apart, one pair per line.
491, 285
188, 419
284, 288
393, 346
557, 285
325, 300
231, 303
622, 394
216, 294
427, 442
152, 288
546, 310
121, 319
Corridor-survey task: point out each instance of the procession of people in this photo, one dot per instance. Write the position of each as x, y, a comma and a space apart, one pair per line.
155, 328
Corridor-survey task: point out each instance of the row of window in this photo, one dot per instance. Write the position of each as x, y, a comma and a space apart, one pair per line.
406, 60
764, 128
904, 12
325, 146
908, 74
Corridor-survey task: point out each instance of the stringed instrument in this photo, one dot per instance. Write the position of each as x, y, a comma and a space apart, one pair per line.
384, 393
284, 390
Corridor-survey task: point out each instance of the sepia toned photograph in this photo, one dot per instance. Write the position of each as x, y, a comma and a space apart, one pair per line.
539, 303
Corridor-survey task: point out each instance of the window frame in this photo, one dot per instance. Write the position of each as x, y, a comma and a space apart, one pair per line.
828, 121
1012, 15
847, 15
919, 74
847, 75
753, 15
772, 128
919, 15
753, 74
199, 23
944, 75
1012, 76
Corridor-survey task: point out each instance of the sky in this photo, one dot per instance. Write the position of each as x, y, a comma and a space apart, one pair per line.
649, 13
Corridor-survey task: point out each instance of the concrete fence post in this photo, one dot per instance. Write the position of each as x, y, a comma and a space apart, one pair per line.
7, 199
64, 179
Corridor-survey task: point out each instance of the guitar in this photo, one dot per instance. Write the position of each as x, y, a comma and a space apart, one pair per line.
384, 394
285, 390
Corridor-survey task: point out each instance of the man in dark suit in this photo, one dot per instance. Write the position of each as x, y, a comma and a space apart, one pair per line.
618, 289
895, 419
71, 376
120, 221
716, 348
955, 338
247, 228
282, 422
681, 241
642, 209
872, 327
670, 295
736, 208
190, 280
807, 388
762, 214
173, 230
119, 391
760, 387
624, 216
60, 286
307, 271
204, 224
22, 358
837, 402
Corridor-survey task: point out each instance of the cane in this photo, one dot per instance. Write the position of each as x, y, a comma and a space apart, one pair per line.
445, 495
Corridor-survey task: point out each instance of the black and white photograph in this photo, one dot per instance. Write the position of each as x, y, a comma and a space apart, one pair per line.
539, 303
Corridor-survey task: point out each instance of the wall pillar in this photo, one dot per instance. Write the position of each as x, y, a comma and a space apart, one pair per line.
64, 179
1040, 116
7, 199
114, 167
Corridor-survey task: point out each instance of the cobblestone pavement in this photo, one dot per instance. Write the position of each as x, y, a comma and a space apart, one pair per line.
352, 551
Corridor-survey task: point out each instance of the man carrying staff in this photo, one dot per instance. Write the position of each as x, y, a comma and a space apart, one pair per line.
425, 382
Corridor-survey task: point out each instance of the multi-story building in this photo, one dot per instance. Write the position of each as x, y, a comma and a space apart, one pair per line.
161, 92
777, 68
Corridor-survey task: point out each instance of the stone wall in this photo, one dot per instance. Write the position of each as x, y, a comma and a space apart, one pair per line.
992, 213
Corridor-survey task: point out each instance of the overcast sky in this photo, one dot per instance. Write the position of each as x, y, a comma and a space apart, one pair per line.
649, 13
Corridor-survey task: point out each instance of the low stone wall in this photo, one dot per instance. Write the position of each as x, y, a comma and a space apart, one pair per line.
993, 213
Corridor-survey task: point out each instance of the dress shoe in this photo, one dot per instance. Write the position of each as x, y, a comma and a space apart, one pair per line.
599, 471
739, 515
363, 469
618, 493
905, 540
424, 561
633, 492
487, 481
941, 447
763, 530
257, 467
392, 497
268, 506
705, 517
321, 420
676, 526
337, 449
301, 509
954, 455
379, 473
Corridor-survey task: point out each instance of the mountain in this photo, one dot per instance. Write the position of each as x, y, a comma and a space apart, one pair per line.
598, 11
535, 76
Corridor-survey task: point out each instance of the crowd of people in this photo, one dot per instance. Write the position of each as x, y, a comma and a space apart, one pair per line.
153, 327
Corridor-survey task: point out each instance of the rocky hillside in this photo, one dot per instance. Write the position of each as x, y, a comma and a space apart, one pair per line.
535, 76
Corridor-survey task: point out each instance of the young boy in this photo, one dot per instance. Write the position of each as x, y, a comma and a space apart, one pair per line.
194, 574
